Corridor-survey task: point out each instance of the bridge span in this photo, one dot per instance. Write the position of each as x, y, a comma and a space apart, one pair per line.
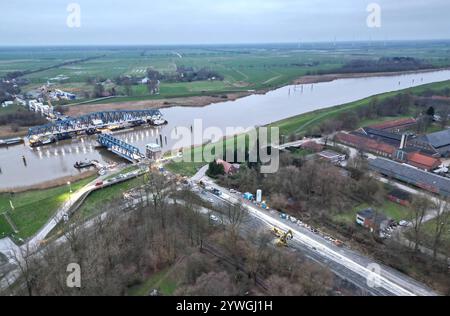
120, 148
92, 121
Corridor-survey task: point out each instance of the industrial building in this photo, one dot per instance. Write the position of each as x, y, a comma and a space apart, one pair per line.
332, 156
411, 175
438, 143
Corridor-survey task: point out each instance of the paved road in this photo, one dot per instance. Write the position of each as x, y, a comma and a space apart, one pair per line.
344, 262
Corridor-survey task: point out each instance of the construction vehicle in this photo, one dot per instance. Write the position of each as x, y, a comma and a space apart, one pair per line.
282, 237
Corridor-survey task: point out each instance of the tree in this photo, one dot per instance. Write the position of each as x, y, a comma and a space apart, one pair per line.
212, 284
420, 206
99, 90
431, 112
215, 169
441, 224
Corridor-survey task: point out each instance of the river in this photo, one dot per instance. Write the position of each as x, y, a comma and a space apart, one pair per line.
22, 166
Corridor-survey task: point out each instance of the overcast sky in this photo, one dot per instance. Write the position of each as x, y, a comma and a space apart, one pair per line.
43, 22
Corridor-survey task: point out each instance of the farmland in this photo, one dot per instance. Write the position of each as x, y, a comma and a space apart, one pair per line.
257, 67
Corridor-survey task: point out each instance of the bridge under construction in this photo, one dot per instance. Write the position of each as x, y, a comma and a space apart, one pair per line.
91, 122
120, 148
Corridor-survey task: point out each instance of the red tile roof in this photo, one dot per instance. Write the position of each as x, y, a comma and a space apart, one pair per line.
394, 123
366, 143
423, 161
228, 167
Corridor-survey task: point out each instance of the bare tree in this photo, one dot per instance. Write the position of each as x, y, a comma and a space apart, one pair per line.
441, 224
420, 206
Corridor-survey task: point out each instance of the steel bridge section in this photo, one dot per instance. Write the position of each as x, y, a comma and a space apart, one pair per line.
120, 147
74, 124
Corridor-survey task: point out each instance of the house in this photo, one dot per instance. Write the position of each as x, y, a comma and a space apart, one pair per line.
422, 161
228, 167
332, 156
438, 142
372, 219
395, 126
400, 197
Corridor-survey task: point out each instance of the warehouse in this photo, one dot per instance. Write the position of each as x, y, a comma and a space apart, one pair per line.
422, 179
438, 142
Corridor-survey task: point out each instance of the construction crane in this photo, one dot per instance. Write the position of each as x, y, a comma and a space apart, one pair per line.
282, 237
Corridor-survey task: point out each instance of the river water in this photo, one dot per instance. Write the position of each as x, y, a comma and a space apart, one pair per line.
23, 166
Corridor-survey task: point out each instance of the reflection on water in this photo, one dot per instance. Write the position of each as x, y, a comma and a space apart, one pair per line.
57, 160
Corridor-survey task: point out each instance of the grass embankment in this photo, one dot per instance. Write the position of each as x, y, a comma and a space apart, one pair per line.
300, 123
33, 209
91, 205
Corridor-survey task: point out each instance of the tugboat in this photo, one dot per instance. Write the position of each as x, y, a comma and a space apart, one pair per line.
83, 165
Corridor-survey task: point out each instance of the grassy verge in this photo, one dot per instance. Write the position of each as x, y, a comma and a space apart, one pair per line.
160, 281
91, 205
33, 209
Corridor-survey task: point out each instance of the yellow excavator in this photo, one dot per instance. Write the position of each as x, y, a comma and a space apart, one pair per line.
282, 237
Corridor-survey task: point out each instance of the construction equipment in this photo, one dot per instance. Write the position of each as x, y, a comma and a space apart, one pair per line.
282, 237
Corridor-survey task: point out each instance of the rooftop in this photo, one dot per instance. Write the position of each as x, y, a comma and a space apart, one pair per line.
423, 160
439, 139
405, 173
394, 123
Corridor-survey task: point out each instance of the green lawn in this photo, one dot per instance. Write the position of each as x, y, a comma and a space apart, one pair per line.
161, 281
5, 228
390, 209
34, 208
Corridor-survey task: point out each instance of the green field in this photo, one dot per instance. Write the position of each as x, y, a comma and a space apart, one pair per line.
249, 67
33, 209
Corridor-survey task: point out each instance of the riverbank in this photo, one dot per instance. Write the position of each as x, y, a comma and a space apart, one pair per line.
201, 101
301, 123
331, 77
51, 184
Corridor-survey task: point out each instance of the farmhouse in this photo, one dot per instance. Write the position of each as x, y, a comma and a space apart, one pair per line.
373, 220
228, 167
